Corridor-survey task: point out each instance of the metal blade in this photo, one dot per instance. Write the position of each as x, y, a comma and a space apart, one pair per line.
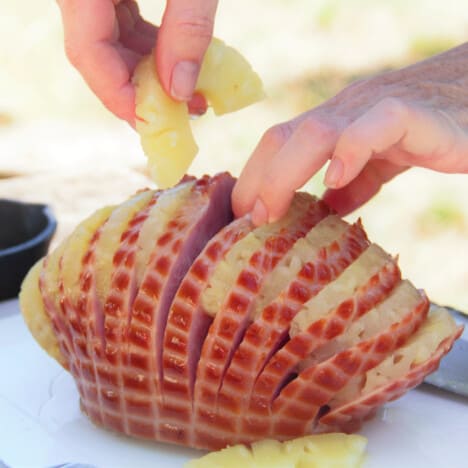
452, 374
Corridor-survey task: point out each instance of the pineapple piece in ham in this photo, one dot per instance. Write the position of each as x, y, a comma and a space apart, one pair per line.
306, 249
359, 272
35, 314
229, 269
317, 451
438, 326
75, 250
159, 216
228, 83
110, 240
402, 299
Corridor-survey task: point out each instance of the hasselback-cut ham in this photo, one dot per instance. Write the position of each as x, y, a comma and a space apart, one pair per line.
180, 324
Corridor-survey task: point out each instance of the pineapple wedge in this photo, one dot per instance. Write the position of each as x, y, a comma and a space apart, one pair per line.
35, 314
335, 450
227, 82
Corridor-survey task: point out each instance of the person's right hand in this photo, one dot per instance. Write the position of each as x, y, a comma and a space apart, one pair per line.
105, 39
371, 131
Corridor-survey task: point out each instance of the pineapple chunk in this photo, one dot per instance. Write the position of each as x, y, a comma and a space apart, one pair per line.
35, 315
438, 326
304, 250
227, 270
155, 225
170, 154
357, 274
227, 80
110, 239
163, 125
76, 247
316, 451
228, 83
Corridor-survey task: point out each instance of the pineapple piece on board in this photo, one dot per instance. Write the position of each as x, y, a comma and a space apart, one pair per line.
336, 450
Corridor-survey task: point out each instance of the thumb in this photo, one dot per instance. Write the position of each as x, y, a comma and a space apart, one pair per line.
183, 38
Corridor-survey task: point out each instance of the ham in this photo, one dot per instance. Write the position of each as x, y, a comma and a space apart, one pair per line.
182, 325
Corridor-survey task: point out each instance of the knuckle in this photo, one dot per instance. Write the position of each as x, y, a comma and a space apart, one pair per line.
269, 183
193, 24
312, 126
277, 135
393, 108
349, 143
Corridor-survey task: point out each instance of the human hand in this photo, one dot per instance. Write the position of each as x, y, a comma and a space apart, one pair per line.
371, 131
105, 39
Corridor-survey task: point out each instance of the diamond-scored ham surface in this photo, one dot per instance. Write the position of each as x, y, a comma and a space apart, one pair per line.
350, 416
182, 325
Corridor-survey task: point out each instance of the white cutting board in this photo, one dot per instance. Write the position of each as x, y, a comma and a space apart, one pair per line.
41, 424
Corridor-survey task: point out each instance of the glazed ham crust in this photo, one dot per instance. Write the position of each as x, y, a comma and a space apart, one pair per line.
180, 324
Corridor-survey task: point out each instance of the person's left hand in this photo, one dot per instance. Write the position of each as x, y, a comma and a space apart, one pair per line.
105, 39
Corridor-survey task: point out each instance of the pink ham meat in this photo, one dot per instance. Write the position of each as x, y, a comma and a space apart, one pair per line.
181, 325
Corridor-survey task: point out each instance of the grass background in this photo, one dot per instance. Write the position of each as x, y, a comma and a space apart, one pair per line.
59, 145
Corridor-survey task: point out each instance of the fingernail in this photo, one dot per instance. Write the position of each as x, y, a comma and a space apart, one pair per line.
334, 173
184, 80
259, 213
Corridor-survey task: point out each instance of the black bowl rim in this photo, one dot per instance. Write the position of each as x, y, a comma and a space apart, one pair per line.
45, 234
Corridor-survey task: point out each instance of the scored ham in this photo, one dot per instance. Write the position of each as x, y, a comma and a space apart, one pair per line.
180, 324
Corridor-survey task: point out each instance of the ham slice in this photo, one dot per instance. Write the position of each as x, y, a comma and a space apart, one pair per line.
182, 325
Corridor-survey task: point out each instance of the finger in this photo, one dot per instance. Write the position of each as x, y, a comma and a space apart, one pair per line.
247, 186
426, 138
91, 46
375, 131
361, 189
184, 36
305, 152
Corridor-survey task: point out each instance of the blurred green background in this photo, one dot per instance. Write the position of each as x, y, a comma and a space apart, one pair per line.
59, 145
